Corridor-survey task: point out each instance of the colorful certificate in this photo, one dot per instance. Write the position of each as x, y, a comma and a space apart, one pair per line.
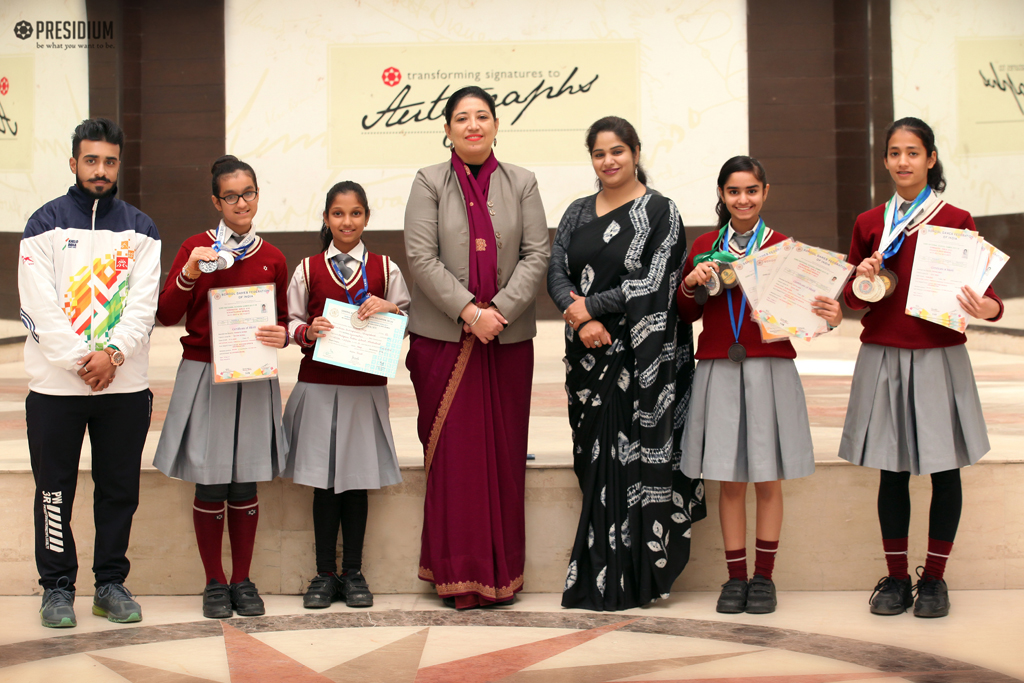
372, 345
802, 273
236, 313
945, 260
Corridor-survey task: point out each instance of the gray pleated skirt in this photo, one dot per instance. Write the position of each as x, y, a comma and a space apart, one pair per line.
340, 437
198, 442
914, 410
747, 422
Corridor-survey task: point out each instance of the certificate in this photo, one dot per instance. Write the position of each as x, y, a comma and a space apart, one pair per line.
945, 260
236, 313
801, 273
753, 273
373, 349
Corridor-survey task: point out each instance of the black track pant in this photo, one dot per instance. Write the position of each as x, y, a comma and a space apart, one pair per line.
117, 424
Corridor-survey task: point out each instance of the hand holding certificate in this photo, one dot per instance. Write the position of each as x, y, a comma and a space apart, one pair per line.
947, 259
236, 316
782, 283
372, 345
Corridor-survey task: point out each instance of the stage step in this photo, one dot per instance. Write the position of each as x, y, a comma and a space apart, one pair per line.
830, 540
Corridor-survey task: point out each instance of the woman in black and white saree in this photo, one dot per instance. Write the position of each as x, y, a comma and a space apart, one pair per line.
615, 267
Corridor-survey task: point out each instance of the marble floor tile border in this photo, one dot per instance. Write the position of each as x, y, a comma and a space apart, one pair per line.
884, 658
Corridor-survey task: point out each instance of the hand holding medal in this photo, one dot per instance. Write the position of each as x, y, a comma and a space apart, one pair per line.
704, 281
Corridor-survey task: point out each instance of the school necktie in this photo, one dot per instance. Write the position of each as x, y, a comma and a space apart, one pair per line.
904, 207
344, 262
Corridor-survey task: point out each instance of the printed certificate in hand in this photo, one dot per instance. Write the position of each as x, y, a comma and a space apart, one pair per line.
945, 260
236, 313
372, 345
799, 276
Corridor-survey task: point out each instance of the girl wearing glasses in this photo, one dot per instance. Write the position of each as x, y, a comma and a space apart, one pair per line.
337, 419
223, 437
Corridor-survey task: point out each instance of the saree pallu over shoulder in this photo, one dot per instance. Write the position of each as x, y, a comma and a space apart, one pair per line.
474, 415
627, 408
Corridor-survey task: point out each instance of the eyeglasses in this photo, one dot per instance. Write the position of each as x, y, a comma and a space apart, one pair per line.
233, 198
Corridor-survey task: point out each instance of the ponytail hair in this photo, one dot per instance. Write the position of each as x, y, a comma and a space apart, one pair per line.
936, 179
740, 164
624, 131
344, 187
226, 165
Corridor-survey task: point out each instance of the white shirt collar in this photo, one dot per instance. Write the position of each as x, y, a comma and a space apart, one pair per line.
232, 238
356, 252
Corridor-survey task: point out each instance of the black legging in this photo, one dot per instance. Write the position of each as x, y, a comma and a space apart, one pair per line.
894, 505
333, 511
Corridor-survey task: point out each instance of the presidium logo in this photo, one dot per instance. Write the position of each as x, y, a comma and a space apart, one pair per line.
66, 31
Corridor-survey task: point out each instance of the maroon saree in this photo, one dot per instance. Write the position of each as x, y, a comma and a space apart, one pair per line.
474, 414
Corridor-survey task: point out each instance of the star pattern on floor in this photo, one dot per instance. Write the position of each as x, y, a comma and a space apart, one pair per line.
251, 660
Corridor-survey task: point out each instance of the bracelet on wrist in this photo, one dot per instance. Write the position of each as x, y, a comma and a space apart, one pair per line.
479, 312
187, 274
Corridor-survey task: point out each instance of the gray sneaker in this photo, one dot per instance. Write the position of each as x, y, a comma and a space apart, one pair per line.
58, 609
113, 601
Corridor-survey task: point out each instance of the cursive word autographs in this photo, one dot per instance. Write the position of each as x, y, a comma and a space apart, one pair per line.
399, 112
1003, 84
6, 124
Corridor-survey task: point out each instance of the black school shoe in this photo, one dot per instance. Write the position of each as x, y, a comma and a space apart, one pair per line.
891, 596
216, 601
733, 599
246, 599
355, 590
323, 590
761, 596
932, 597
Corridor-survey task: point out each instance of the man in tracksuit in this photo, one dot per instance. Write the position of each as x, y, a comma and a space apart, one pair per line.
88, 277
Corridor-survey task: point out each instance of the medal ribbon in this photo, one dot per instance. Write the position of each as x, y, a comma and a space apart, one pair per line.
752, 245
893, 237
238, 252
364, 293
720, 248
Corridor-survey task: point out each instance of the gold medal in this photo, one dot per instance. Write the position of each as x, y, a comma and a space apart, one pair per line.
728, 276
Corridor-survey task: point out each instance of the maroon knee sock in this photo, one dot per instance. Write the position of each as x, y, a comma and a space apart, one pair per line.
764, 557
736, 560
208, 519
242, 519
938, 553
896, 557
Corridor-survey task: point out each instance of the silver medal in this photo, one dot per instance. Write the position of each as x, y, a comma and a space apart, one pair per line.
357, 323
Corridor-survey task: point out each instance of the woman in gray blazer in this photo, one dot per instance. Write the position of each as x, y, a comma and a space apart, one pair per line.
477, 241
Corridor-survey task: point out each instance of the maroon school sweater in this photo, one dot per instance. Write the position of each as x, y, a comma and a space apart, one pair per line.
886, 322
263, 264
716, 337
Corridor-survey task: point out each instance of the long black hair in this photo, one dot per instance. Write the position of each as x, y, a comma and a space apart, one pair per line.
226, 165
463, 93
740, 164
936, 179
624, 131
344, 187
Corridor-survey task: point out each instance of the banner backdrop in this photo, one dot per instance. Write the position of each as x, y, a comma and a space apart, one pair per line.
943, 56
44, 94
320, 91
387, 101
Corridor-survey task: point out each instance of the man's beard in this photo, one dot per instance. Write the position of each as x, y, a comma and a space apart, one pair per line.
95, 195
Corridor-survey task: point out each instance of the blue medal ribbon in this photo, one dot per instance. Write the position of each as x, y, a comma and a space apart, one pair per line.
898, 225
364, 293
238, 252
728, 293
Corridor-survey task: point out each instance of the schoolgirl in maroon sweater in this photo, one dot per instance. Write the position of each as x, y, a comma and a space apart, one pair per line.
337, 419
224, 437
914, 406
747, 419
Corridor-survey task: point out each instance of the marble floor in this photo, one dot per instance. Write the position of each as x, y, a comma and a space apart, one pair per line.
813, 638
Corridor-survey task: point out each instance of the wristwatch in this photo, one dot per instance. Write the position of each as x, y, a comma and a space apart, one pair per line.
116, 357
